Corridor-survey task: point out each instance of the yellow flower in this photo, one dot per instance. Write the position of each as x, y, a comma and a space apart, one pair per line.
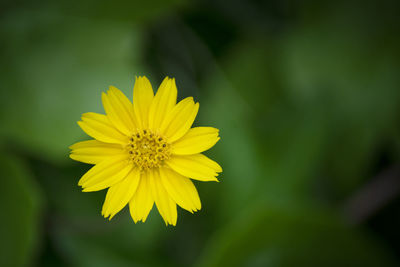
145, 152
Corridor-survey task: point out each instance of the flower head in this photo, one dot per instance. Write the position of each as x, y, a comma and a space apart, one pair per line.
146, 152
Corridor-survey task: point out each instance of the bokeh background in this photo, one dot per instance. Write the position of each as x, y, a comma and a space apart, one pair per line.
306, 95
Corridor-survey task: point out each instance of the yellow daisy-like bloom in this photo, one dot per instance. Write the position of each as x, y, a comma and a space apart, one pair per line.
145, 152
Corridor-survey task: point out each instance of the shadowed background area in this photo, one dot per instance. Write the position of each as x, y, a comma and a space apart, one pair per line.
306, 96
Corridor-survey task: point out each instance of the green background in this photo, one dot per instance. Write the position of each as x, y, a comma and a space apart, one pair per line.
306, 95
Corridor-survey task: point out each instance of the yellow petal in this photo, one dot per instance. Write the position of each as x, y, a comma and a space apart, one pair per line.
142, 97
93, 151
195, 166
119, 194
119, 110
196, 140
165, 205
181, 189
163, 102
106, 173
99, 127
142, 201
180, 119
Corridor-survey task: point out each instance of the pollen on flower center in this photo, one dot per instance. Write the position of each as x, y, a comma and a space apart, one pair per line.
148, 150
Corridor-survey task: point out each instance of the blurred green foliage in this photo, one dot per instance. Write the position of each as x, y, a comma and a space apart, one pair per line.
306, 95
281, 237
20, 205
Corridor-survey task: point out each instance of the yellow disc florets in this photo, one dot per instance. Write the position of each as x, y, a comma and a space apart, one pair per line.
148, 150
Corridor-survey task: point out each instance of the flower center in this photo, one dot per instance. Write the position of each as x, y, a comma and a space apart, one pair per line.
148, 150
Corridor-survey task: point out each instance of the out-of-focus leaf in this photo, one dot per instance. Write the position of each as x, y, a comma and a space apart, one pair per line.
119, 10
56, 69
334, 64
254, 69
282, 237
136, 11
117, 243
289, 138
20, 206
236, 151
271, 151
